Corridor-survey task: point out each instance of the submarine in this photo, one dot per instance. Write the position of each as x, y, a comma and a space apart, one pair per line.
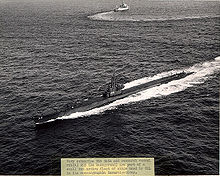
109, 93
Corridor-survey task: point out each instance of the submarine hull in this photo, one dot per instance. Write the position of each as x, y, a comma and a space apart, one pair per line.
97, 102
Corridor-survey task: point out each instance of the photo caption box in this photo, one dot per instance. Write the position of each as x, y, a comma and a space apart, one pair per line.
107, 167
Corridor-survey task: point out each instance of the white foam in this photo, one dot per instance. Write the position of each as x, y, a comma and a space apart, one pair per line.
112, 16
217, 58
201, 73
102, 16
148, 79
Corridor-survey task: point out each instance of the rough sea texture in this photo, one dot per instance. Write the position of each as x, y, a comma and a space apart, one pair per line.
54, 54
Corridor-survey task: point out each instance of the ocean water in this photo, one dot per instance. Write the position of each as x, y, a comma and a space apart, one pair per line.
55, 54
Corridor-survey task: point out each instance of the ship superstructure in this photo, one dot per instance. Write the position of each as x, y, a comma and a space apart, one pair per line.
122, 7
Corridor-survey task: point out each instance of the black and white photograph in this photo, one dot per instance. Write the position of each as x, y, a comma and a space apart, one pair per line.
109, 79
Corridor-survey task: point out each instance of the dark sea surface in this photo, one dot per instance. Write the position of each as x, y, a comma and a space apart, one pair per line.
55, 54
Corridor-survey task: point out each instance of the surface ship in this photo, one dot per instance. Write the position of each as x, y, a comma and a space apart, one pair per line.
122, 7
109, 93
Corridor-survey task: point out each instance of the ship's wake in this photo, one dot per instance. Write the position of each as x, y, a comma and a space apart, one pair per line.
103, 16
201, 72
112, 16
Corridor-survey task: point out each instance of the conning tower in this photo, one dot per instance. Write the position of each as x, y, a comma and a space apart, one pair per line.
113, 88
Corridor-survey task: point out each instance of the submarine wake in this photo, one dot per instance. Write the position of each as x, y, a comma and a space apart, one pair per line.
201, 72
